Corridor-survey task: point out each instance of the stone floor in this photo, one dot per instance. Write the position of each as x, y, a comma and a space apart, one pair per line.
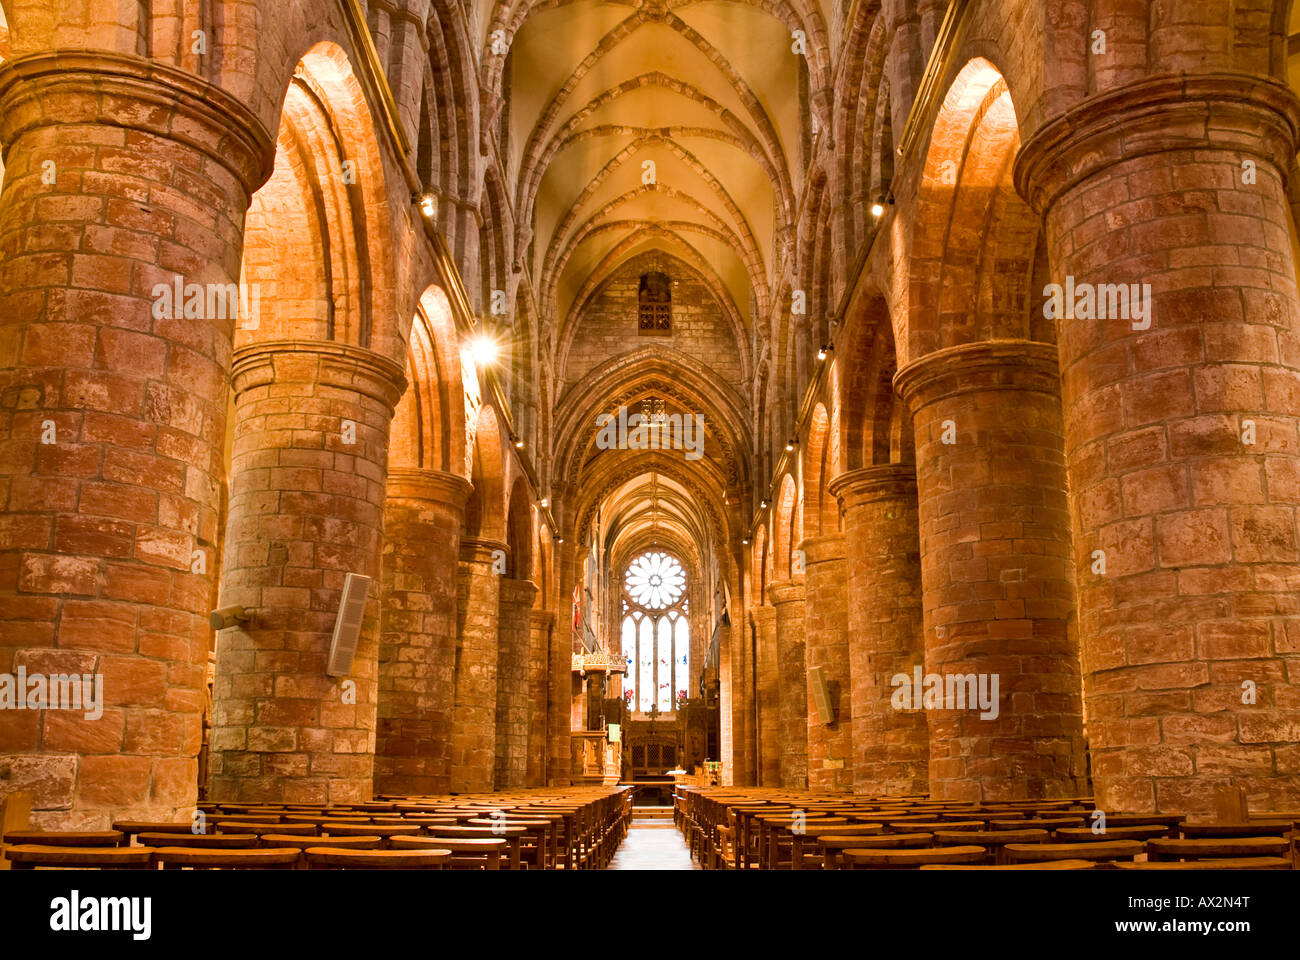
653, 847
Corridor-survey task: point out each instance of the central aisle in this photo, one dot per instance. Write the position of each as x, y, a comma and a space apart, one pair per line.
657, 847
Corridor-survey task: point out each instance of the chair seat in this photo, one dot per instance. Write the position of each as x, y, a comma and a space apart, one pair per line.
1109, 850
1218, 848
993, 838
1136, 832
66, 838
30, 856
913, 858
130, 827
251, 859
209, 841
371, 842
324, 857
1047, 865
1257, 828
1230, 863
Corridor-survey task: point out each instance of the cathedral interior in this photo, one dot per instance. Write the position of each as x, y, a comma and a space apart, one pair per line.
650, 411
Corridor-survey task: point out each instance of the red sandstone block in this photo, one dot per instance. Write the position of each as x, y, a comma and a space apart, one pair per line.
133, 681
112, 781
1194, 537
41, 573
1269, 726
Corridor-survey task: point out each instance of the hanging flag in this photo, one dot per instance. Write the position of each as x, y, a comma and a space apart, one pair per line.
577, 606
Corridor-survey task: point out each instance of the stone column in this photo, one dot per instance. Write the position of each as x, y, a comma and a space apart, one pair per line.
743, 752
998, 590
515, 638
306, 508
788, 599
473, 735
891, 748
560, 693
541, 622
1181, 432
417, 644
830, 745
769, 698
112, 418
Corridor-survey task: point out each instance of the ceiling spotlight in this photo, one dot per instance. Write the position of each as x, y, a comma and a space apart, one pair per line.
789, 446
428, 203
877, 209
545, 502
484, 350
745, 541
519, 444
763, 505
559, 539
821, 353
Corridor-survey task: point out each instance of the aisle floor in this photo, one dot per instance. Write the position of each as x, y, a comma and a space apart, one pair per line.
653, 848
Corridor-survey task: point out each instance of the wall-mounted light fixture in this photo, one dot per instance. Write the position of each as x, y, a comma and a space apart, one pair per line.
428, 204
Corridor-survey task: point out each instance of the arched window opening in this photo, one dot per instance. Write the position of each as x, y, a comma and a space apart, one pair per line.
655, 305
656, 634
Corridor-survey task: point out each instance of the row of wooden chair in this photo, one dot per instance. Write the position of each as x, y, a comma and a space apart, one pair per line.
756, 829
563, 829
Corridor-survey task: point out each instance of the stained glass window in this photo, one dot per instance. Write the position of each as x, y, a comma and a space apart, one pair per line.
655, 580
656, 633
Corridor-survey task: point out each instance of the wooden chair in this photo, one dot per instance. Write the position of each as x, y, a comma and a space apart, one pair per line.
834, 845
1217, 849
31, 856
894, 859
268, 858
479, 853
512, 835
995, 840
206, 841
66, 838
1043, 852
324, 858
1232, 863
369, 830
800, 858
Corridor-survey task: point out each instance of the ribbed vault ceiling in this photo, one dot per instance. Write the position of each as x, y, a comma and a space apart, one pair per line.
707, 92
